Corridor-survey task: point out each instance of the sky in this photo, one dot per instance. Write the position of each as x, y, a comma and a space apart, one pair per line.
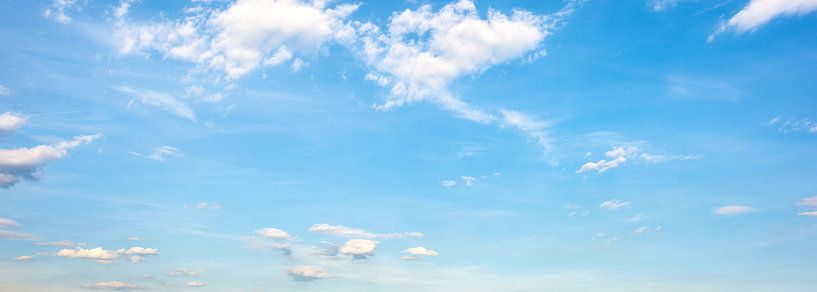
296, 145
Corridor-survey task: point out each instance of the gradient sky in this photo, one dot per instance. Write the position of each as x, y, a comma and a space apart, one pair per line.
280, 145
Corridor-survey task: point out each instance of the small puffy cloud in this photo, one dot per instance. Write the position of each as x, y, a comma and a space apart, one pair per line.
56, 10
421, 251
344, 231
195, 284
307, 273
23, 258
9, 122
733, 210
615, 204
358, 248
808, 213
113, 285
98, 254
618, 155
4, 90
468, 180
6, 222
273, 233
759, 12
810, 201
448, 183
26, 162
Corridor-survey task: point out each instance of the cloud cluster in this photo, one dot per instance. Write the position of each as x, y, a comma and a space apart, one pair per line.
27, 162
103, 256
344, 231
620, 155
759, 12
56, 10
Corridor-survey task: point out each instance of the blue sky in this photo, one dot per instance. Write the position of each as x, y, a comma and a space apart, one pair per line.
278, 145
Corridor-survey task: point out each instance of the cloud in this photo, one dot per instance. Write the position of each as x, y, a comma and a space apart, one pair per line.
5, 223
307, 273
530, 126
121, 10
615, 204
4, 90
27, 162
656, 158
808, 213
448, 183
159, 153
6, 234
618, 157
422, 51
185, 272
358, 248
246, 34
9, 122
23, 258
759, 12
733, 210
103, 256
810, 201
205, 206
113, 285
647, 230
195, 284
344, 231
421, 251
273, 233
159, 100
662, 5
468, 180
63, 243
795, 125
56, 10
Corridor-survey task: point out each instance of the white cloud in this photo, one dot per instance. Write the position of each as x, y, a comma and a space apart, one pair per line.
160, 152
662, 5
113, 285
121, 10
26, 162
657, 158
468, 180
195, 284
759, 12
533, 128
273, 233
236, 40
23, 258
4, 90
6, 222
7, 234
421, 251
647, 230
56, 10
205, 206
159, 100
448, 183
9, 122
808, 213
810, 201
98, 254
307, 273
422, 51
344, 231
185, 272
795, 125
615, 204
63, 243
358, 248
618, 157
733, 210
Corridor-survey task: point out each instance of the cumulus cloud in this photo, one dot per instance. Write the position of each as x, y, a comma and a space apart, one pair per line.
422, 51
246, 34
733, 210
421, 251
23, 258
6, 222
618, 156
307, 273
27, 162
9, 122
615, 204
103, 256
57, 9
358, 248
344, 231
759, 12
448, 183
195, 284
273, 233
113, 285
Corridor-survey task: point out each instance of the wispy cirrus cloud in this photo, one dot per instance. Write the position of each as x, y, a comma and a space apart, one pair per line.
344, 231
729, 210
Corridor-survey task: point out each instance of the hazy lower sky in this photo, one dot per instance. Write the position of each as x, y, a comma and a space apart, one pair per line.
295, 145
